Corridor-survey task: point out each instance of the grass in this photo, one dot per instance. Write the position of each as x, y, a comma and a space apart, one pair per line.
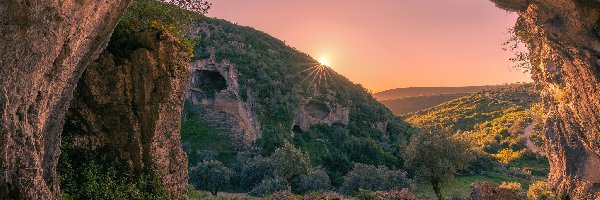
199, 135
460, 186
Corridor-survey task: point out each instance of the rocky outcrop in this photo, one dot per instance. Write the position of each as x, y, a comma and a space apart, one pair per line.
214, 95
563, 38
314, 112
44, 48
132, 104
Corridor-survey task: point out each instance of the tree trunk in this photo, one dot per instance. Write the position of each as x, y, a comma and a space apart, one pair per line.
436, 188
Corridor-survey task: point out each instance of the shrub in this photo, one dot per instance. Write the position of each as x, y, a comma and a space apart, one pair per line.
436, 156
255, 170
269, 186
511, 186
507, 155
290, 162
210, 175
539, 191
315, 180
368, 177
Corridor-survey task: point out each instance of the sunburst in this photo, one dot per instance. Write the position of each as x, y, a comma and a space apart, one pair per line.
318, 75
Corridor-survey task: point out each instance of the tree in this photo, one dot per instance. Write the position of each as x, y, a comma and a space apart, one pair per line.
369, 177
316, 180
435, 156
210, 175
199, 6
290, 162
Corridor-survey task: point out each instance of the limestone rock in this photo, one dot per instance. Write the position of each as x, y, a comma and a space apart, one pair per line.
563, 37
132, 104
314, 112
214, 95
44, 47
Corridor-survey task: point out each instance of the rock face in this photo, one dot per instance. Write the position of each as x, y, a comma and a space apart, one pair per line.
132, 104
314, 112
44, 48
563, 38
214, 95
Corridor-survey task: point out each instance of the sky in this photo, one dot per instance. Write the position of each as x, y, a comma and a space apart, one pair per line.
387, 44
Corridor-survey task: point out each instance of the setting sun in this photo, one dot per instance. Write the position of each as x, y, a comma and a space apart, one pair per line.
324, 61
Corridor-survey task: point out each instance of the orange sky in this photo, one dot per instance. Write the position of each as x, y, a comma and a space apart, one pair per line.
386, 44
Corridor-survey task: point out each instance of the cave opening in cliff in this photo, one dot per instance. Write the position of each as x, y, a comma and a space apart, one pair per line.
296, 129
317, 109
211, 82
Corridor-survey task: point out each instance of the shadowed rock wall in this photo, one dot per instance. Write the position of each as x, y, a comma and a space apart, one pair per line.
563, 38
44, 47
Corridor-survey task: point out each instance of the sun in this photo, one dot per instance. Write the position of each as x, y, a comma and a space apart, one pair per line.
324, 61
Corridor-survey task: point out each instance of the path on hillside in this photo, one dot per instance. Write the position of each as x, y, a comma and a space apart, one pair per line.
527, 131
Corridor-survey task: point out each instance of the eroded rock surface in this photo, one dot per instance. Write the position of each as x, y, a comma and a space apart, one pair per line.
132, 104
215, 96
44, 48
563, 38
314, 112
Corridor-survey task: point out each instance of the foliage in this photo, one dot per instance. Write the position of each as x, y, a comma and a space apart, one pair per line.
199, 137
199, 6
437, 156
269, 186
210, 175
368, 177
511, 186
316, 180
290, 162
539, 191
507, 155
98, 174
254, 170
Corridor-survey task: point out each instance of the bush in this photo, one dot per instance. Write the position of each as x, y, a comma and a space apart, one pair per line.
507, 155
368, 177
539, 191
316, 180
511, 186
290, 162
436, 156
269, 186
210, 175
255, 170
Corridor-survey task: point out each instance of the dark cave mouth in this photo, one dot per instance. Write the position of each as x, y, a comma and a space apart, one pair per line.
209, 81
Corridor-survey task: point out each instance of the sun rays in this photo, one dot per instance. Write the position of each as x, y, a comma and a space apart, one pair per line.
319, 75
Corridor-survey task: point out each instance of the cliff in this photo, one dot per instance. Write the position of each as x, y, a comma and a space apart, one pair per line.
563, 38
44, 48
129, 104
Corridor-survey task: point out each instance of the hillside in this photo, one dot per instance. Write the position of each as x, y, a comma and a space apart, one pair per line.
406, 105
494, 121
272, 92
400, 93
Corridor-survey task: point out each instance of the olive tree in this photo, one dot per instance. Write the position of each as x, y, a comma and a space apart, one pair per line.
210, 175
374, 178
289, 162
436, 156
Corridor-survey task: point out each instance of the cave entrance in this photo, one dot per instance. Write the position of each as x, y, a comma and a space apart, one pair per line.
210, 82
317, 110
296, 129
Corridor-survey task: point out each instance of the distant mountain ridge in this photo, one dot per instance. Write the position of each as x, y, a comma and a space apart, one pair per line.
424, 91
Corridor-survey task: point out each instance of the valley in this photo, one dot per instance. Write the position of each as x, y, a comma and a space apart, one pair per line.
156, 99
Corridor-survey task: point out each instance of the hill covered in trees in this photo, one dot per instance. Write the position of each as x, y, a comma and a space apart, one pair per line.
494, 122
